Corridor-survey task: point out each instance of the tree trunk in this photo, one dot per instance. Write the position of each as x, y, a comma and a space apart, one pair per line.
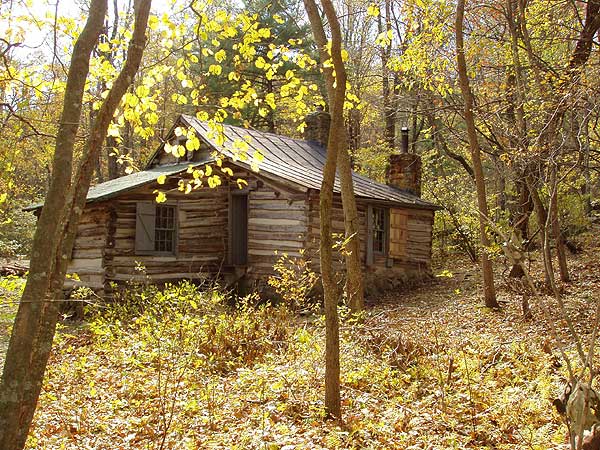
354, 276
354, 131
336, 91
113, 166
559, 239
35, 324
387, 88
33, 330
486, 265
542, 216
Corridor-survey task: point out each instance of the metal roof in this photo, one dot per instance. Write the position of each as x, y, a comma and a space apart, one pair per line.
111, 188
300, 162
294, 160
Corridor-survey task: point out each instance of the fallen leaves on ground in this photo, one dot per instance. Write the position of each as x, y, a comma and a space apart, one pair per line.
429, 368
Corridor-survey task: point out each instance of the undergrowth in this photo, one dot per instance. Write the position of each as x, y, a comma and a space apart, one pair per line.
179, 368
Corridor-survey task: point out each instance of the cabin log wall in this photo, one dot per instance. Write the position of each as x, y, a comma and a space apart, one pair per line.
277, 224
280, 220
416, 263
90, 248
201, 237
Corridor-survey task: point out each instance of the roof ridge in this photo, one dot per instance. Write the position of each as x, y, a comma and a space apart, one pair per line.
283, 158
255, 130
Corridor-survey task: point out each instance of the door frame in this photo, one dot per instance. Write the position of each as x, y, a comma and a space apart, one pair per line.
236, 193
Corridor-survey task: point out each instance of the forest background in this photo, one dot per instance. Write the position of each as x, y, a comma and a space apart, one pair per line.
401, 72
512, 128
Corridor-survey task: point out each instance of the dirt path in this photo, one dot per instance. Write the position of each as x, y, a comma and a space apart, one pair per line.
450, 308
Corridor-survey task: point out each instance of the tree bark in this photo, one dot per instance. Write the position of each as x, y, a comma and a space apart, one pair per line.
337, 153
559, 239
542, 216
35, 324
489, 290
23, 375
354, 275
112, 165
387, 88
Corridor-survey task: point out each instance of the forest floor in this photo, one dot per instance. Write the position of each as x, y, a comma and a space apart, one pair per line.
429, 368
8, 309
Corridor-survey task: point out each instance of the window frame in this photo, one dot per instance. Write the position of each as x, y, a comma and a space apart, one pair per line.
371, 252
171, 230
139, 225
379, 219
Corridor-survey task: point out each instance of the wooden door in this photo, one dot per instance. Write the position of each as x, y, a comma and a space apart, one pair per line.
239, 229
398, 232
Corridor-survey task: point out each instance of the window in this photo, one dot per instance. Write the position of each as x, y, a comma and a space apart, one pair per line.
155, 228
164, 229
378, 224
379, 230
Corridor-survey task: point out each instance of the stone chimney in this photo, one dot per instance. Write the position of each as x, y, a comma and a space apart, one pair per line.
317, 127
404, 169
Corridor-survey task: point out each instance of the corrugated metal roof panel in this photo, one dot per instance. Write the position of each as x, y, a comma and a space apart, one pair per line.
300, 162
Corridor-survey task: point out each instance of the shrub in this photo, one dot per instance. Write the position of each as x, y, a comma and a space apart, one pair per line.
294, 281
188, 322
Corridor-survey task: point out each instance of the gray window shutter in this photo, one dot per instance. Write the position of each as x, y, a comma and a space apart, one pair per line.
369, 235
144, 226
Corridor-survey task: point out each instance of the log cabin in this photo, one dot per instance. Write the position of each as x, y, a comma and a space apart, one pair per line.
239, 226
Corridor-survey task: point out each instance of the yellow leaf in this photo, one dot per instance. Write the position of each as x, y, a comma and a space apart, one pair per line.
161, 179
260, 62
215, 69
373, 10
220, 56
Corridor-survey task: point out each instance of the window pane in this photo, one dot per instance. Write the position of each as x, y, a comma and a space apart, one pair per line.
164, 233
379, 232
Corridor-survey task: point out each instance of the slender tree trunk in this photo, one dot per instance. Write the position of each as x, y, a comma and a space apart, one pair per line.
489, 290
559, 239
23, 374
331, 293
542, 216
387, 88
586, 189
35, 324
354, 276
354, 131
524, 209
112, 165
336, 91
